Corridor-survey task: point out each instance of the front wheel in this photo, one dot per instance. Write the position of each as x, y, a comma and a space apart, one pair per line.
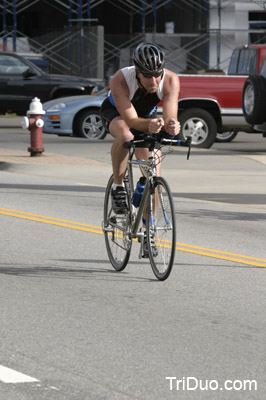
161, 229
88, 124
115, 228
200, 125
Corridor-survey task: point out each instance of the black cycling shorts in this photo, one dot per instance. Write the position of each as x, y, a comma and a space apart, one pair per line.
108, 112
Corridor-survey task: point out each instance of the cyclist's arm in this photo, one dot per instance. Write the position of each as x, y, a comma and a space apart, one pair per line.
170, 103
120, 92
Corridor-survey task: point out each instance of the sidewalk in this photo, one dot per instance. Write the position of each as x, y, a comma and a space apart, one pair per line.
209, 174
59, 166
237, 183
79, 169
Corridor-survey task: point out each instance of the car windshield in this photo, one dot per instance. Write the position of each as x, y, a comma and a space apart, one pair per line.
12, 65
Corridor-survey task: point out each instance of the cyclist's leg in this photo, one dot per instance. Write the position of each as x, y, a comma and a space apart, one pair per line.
143, 154
121, 133
158, 160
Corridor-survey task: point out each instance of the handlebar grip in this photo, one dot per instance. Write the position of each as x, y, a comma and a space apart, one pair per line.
173, 142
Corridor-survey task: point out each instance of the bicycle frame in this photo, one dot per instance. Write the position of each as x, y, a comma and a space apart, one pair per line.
148, 169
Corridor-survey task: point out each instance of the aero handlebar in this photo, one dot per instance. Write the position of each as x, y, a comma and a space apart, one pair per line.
162, 138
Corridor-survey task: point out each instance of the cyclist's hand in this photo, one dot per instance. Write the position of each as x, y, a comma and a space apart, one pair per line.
172, 126
155, 125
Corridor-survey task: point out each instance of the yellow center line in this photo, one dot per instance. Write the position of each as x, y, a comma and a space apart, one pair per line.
238, 260
65, 225
213, 251
7, 211
218, 254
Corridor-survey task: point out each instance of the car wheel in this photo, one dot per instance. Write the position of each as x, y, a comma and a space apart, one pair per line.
224, 137
254, 99
88, 124
200, 125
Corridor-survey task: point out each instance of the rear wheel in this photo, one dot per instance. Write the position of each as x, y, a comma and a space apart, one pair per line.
88, 124
224, 137
118, 243
161, 229
200, 125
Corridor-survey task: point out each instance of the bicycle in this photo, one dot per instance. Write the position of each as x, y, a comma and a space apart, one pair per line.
156, 204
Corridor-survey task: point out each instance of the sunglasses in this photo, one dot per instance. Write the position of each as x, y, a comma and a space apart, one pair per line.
151, 75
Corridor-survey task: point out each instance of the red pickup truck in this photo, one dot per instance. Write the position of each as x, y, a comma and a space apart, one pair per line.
210, 106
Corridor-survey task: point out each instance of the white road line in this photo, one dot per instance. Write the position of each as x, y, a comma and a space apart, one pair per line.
8, 375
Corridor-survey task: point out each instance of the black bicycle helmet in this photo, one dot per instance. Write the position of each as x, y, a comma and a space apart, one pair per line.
148, 57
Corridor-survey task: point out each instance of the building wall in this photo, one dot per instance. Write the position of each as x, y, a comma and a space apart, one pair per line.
234, 22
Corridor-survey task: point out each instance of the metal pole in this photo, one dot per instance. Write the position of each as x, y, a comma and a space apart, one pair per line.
69, 26
206, 6
4, 26
219, 35
154, 16
80, 26
14, 26
143, 16
88, 45
89, 12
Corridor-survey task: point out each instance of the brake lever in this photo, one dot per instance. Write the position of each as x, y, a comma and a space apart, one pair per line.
188, 143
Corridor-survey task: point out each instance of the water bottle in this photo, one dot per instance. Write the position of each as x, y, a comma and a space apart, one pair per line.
138, 191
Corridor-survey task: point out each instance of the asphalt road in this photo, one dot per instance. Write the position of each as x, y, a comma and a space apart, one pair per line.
77, 330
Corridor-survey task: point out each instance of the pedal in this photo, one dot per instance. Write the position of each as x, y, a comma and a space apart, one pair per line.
140, 237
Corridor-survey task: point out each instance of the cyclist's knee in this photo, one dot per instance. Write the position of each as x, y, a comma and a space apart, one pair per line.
122, 135
120, 131
142, 153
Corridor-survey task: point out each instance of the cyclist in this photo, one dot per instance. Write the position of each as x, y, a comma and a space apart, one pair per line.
130, 108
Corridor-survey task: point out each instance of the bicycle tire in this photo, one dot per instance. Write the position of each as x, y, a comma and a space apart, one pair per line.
118, 244
161, 228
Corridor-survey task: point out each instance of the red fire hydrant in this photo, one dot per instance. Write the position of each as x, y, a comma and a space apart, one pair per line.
34, 122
